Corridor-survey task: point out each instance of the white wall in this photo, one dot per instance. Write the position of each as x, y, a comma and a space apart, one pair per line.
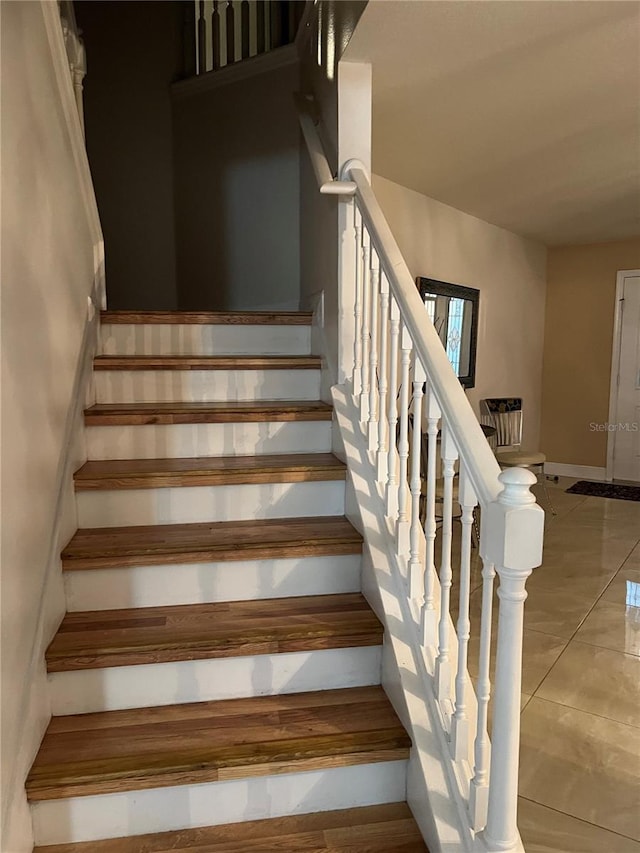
331, 28
51, 250
440, 242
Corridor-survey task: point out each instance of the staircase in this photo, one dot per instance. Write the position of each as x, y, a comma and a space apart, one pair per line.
215, 683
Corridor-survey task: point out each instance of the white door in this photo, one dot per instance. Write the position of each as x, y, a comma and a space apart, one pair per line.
626, 429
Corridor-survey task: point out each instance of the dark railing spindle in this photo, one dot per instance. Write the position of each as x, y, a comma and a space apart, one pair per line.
244, 28
275, 10
276, 24
231, 33
215, 35
292, 24
202, 40
189, 66
261, 44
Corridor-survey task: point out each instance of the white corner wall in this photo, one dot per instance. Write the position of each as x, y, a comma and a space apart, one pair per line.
324, 76
51, 264
440, 242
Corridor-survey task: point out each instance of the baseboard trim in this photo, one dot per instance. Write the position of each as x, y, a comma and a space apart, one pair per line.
581, 472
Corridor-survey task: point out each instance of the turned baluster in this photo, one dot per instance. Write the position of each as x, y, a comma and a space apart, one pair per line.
260, 27
383, 382
460, 727
428, 624
215, 35
391, 496
443, 662
372, 424
402, 527
245, 31
416, 591
202, 39
231, 33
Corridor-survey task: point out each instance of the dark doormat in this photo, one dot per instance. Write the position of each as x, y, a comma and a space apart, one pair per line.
605, 490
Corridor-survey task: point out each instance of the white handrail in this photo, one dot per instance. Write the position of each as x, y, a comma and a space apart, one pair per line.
327, 184
389, 316
473, 446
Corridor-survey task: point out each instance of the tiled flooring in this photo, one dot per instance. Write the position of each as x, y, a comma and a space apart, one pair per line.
580, 755
580, 752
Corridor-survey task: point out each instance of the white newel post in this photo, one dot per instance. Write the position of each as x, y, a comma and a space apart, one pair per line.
348, 274
357, 313
353, 141
514, 527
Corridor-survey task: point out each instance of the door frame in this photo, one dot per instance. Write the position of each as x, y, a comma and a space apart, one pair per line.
615, 367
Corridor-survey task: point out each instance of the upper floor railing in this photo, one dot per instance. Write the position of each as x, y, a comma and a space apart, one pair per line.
222, 33
75, 52
427, 452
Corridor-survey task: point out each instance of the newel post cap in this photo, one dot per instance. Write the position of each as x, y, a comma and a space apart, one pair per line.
517, 483
512, 538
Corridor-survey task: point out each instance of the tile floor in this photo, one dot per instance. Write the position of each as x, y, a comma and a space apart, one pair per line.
580, 752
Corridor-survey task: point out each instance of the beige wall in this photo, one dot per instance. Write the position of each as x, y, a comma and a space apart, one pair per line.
49, 230
581, 287
440, 242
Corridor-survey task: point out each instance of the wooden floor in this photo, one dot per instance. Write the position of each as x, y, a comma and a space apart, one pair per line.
147, 635
224, 318
373, 829
213, 741
209, 471
207, 362
204, 542
137, 414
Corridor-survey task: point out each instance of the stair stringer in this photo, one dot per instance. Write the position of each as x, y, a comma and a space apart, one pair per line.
436, 787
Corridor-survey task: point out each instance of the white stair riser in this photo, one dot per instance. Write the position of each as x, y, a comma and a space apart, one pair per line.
124, 507
169, 339
215, 803
203, 386
202, 583
180, 441
118, 687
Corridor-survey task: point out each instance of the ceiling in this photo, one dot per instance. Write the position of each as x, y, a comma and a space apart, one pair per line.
525, 113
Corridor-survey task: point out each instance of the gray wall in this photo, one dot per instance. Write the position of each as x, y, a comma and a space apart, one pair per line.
237, 178
133, 54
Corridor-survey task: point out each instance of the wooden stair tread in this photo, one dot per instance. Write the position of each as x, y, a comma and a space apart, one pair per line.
147, 635
211, 362
109, 547
388, 828
232, 318
119, 414
208, 471
213, 741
